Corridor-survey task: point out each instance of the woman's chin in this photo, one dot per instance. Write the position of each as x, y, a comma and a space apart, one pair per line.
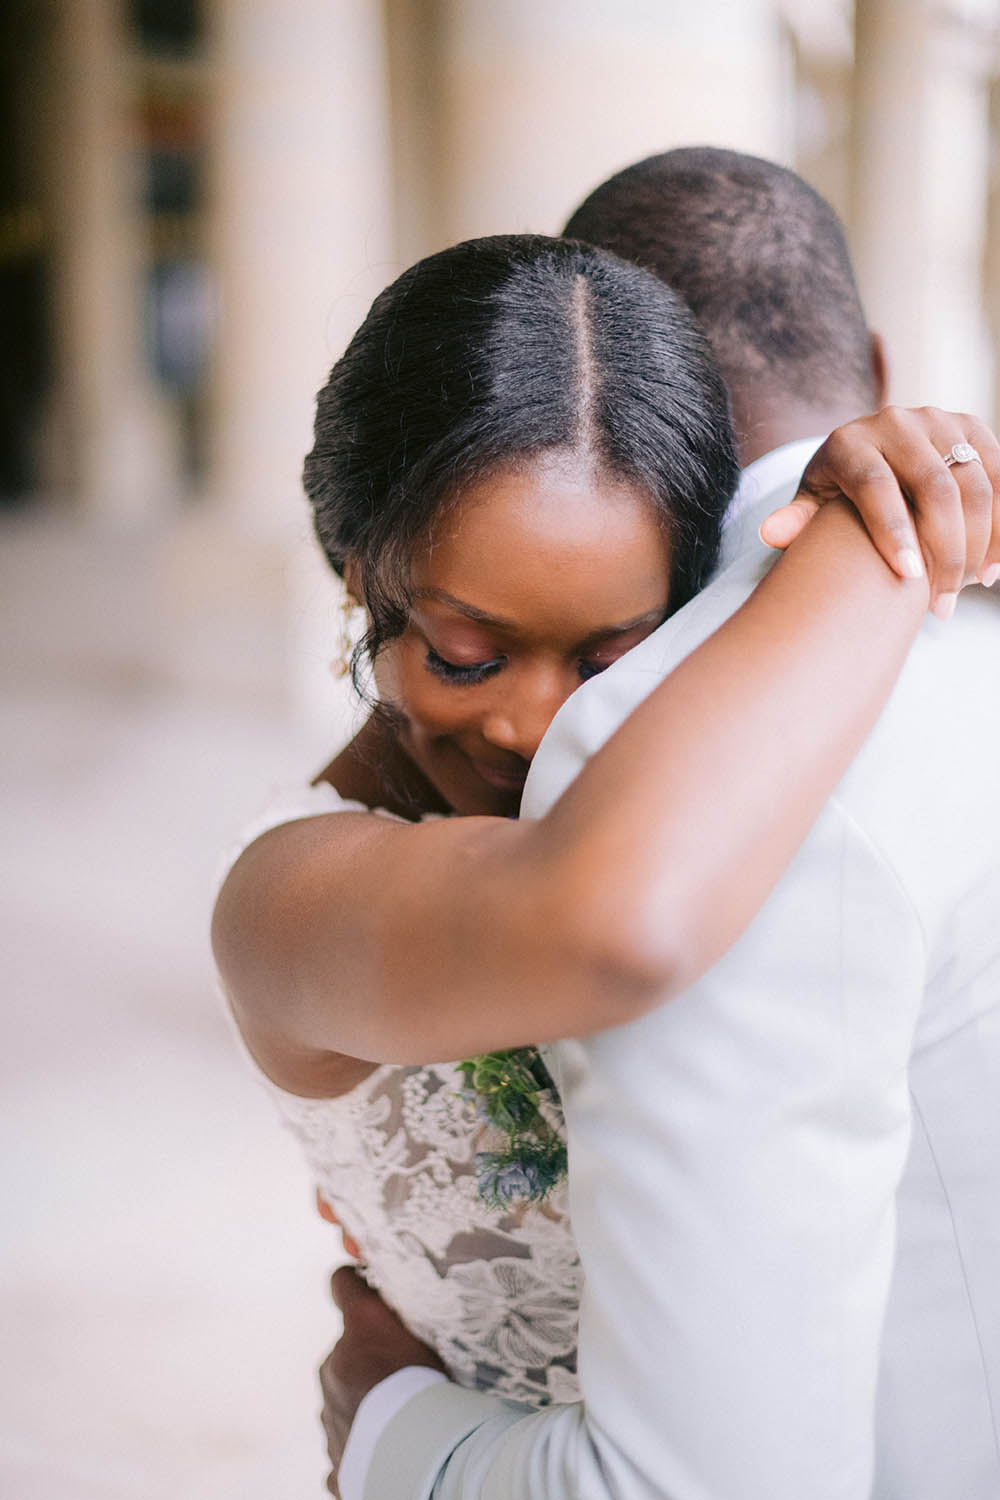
473, 796
484, 790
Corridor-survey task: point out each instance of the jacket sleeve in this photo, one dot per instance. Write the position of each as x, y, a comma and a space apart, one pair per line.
453, 1444
735, 1160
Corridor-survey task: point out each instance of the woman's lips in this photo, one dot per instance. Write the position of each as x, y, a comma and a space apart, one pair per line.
506, 780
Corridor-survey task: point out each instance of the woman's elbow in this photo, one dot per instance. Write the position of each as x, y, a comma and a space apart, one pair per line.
631, 962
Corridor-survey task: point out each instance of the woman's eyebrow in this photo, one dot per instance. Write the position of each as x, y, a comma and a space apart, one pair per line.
469, 610
651, 614
482, 617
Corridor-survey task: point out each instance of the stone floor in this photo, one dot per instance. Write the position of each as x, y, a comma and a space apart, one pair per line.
163, 1303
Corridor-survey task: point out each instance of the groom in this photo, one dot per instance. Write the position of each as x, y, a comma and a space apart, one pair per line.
784, 1184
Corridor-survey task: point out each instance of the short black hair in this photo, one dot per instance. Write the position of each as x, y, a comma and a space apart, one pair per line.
492, 352
757, 254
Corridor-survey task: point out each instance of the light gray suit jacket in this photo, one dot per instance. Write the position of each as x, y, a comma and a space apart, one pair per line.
785, 1184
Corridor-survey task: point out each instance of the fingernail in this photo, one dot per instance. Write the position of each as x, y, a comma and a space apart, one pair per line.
910, 564
990, 575
944, 606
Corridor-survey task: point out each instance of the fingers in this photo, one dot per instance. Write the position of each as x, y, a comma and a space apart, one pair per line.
852, 462
988, 448
324, 1210
350, 1290
919, 511
953, 505
375, 1343
351, 1245
782, 526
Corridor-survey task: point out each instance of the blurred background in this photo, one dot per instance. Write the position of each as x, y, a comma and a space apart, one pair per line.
198, 200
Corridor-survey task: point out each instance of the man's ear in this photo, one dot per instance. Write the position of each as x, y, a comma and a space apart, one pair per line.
879, 361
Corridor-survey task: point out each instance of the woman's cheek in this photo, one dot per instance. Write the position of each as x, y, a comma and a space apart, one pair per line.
404, 683
387, 676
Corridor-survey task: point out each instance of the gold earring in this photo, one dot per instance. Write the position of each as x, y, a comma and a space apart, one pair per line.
349, 630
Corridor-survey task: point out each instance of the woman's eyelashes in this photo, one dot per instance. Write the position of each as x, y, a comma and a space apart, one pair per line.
471, 673
465, 675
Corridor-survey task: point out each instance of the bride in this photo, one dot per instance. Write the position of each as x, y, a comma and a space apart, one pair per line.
521, 467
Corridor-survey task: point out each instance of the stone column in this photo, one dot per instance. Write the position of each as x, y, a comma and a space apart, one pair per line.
302, 235
920, 173
301, 244
117, 443
540, 102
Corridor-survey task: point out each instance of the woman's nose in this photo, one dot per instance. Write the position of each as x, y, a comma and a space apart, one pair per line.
520, 717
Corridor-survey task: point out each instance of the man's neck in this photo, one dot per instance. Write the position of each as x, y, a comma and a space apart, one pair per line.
764, 422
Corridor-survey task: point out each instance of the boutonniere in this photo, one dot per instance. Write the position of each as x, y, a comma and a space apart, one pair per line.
508, 1089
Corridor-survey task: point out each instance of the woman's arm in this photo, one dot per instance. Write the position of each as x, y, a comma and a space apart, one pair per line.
349, 934
348, 937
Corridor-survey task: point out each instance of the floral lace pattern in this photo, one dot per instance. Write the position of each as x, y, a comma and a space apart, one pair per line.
495, 1291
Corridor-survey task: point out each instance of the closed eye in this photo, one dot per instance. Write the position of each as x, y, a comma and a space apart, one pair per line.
600, 661
620, 643
466, 675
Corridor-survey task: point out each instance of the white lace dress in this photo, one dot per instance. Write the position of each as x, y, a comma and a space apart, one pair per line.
495, 1291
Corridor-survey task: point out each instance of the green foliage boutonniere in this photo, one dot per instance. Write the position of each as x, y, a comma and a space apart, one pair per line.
508, 1088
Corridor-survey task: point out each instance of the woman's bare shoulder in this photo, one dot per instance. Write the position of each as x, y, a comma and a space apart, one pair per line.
309, 838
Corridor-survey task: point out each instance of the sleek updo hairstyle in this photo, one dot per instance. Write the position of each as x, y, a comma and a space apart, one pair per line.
496, 351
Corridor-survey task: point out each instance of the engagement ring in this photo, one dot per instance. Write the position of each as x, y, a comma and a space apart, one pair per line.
962, 453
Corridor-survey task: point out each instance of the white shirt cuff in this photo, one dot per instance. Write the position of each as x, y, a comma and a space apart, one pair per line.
374, 1414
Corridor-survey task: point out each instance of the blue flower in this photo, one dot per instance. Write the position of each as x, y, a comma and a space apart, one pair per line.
505, 1182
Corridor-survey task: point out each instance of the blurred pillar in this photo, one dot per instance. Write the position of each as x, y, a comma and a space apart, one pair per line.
301, 243
538, 103
116, 444
821, 41
301, 230
920, 175
414, 34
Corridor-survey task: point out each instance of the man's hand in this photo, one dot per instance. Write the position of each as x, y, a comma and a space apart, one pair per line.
891, 467
374, 1344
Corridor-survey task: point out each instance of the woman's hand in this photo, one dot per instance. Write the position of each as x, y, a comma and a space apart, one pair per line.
324, 1210
891, 466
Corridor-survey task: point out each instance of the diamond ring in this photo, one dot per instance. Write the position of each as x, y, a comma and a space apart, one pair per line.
962, 453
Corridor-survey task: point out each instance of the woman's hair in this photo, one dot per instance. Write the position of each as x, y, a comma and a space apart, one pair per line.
494, 352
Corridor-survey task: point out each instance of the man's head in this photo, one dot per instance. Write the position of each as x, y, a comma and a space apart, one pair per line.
760, 259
